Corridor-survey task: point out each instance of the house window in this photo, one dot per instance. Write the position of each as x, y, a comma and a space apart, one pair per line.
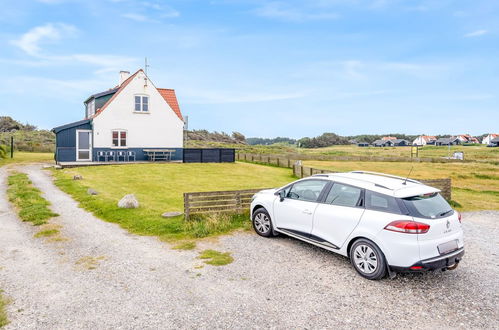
119, 138
91, 108
141, 103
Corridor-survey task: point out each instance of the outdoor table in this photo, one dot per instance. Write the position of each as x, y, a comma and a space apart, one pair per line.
159, 154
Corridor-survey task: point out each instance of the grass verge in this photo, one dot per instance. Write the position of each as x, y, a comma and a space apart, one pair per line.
3, 313
31, 206
185, 246
160, 188
216, 258
46, 233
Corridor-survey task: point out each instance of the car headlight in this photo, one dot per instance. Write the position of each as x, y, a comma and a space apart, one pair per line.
254, 197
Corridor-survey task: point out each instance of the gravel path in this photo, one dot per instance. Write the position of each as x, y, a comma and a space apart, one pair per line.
139, 282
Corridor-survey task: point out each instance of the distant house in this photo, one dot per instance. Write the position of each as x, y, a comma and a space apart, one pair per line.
423, 140
400, 143
466, 138
494, 142
489, 138
353, 141
453, 140
125, 120
388, 138
383, 143
363, 144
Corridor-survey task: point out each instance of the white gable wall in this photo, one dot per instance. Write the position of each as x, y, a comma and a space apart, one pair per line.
159, 128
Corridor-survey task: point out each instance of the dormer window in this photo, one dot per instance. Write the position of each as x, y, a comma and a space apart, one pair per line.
141, 103
91, 108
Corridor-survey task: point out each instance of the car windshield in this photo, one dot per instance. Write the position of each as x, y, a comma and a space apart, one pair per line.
428, 206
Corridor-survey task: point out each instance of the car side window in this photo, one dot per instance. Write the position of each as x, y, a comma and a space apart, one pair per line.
308, 190
343, 195
380, 202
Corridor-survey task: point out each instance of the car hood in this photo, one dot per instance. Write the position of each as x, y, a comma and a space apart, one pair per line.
267, 191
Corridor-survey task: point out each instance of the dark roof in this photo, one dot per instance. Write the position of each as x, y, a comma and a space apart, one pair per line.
381, 142
110, 91
70, 125
399, 140
446, 140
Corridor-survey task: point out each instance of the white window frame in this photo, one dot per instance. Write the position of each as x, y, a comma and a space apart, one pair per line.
142, 96
119, 146
89, 145
91, 108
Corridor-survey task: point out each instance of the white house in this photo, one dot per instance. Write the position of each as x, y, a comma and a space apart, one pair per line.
128, 120
423, 140
487, 140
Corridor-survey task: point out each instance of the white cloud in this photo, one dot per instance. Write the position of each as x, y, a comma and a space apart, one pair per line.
50, 32
136, 17
476, 33
31, 41
147, 11
282, 11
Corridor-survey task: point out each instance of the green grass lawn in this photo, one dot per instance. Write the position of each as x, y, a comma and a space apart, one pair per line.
30, 205
474, 185
159, 188
28, 157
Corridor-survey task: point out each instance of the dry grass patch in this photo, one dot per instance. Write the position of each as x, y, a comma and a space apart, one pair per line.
89, 262
185, 246
216, 258
3, 313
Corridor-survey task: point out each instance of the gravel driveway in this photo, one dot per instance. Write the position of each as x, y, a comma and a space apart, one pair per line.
140, 282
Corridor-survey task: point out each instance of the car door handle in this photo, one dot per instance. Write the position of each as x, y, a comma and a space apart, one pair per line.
307, 212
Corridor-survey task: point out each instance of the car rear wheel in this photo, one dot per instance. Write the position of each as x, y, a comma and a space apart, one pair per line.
262, 223
367, 259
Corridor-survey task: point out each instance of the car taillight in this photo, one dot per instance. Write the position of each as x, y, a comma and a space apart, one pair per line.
408, 227
459, 216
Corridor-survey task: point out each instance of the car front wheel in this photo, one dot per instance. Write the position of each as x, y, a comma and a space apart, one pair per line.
368, 259
262, 223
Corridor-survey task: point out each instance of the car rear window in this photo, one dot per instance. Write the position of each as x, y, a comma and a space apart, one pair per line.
379, 202
430, 206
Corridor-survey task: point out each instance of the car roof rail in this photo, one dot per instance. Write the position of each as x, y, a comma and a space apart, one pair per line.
387, 176
321, 175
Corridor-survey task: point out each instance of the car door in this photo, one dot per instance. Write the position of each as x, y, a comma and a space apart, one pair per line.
295, 212
338, 215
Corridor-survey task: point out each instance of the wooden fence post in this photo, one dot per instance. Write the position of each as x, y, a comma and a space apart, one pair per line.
186, 206
239, 207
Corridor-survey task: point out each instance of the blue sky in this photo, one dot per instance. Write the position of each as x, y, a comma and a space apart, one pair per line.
264, 68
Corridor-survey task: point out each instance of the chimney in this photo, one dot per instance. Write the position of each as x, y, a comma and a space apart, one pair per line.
124, 76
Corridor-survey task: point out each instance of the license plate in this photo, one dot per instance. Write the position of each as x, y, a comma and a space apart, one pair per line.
447, 247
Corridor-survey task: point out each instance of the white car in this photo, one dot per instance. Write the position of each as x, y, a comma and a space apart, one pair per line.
383, 223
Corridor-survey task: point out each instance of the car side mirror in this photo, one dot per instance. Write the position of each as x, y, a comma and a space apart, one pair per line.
282, 195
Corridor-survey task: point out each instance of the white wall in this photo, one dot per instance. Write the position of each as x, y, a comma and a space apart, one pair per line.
159, 128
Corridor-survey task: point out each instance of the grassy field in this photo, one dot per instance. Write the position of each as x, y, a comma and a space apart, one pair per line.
159, 188
479, 152
475, 185
28, 157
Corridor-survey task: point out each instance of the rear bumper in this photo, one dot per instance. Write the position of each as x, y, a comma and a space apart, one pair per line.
441, 262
